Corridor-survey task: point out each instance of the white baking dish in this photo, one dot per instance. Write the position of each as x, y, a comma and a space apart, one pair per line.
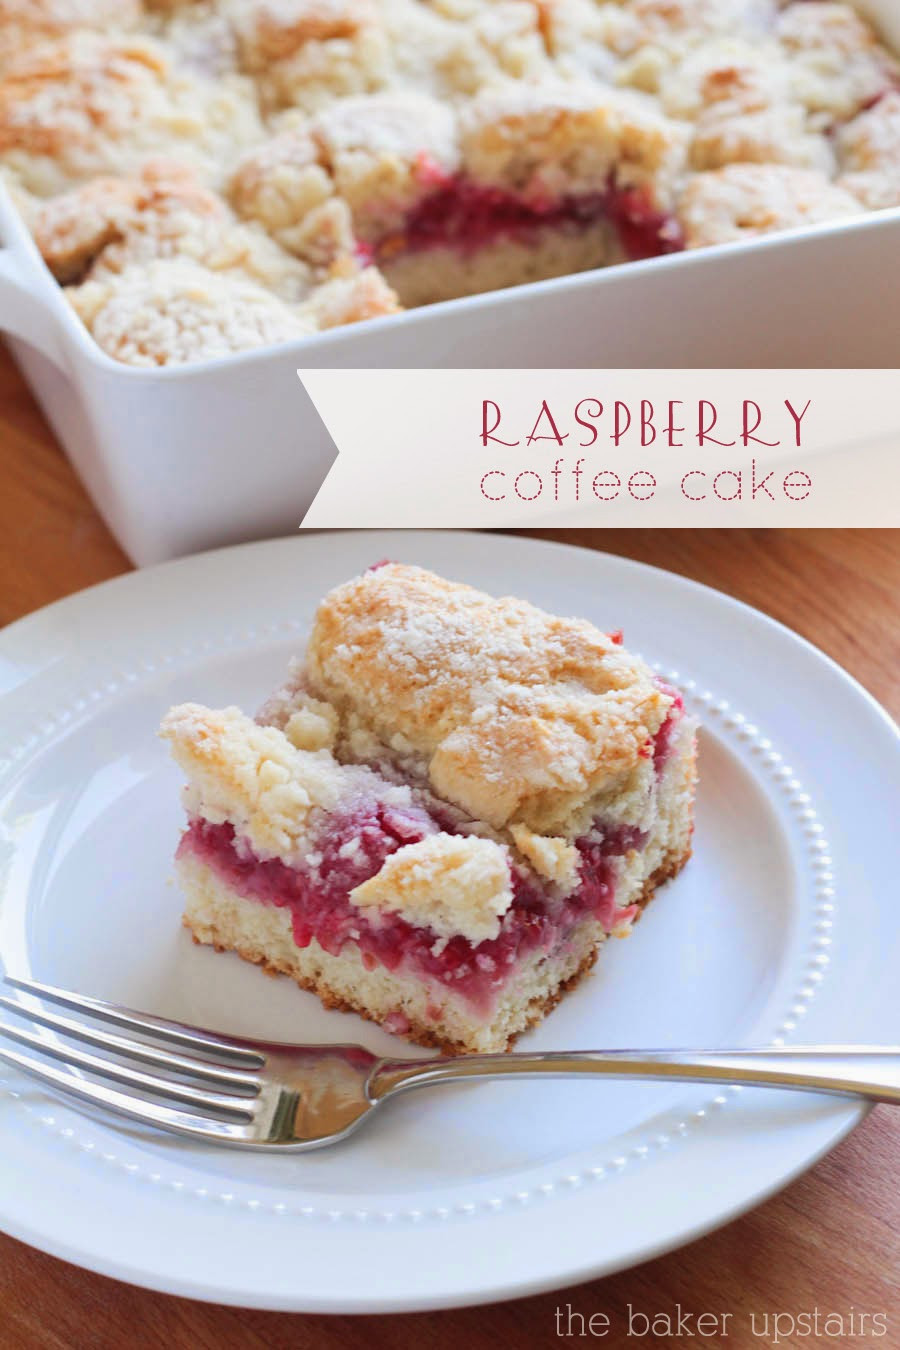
186, 458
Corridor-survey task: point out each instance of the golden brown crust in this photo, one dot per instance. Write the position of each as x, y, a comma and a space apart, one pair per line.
24, 23
742, 200
72, 229
272, 30
89, 105
520, 715
349, 299
869, 152
568, 139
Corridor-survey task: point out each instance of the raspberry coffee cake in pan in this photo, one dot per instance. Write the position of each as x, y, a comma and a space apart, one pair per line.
206, 177
443, 814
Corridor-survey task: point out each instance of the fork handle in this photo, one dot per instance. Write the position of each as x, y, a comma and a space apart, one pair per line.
868, 1071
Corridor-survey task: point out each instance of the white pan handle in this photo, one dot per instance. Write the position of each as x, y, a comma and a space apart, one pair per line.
23, 312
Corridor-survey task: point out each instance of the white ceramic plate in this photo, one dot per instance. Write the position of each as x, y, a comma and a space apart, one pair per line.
783, 927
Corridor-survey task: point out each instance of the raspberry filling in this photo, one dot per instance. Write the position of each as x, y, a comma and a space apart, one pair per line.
464, 216
353, 847
664, 740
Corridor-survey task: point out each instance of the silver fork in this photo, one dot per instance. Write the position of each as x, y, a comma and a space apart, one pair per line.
269, 1095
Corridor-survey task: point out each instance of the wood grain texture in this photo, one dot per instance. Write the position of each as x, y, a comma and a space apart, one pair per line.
831, 1240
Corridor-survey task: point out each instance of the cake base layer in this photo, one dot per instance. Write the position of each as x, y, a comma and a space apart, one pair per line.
428, 1014
445, 272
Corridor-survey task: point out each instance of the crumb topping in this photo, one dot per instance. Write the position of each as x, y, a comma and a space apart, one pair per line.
87, 104
313, 726
521, 716
98, 230
451, 884
460, 145
362, 295
284, 186
869, 152
750, 199
23, 23
272, 30
175, 310
384, 154
273, 787
555, 859
838, 65
503, 747
564, 140
73, 229
252, 776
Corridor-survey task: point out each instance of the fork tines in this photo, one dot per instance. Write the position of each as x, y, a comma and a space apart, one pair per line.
218, 1080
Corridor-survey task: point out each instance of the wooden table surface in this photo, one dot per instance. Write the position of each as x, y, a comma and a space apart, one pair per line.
831, 1240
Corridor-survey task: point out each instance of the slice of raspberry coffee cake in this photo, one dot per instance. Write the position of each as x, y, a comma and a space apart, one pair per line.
443, 814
